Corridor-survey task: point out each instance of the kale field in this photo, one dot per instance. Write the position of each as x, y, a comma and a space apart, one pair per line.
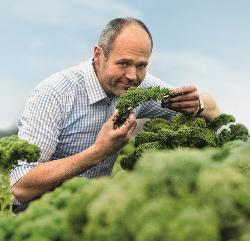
187, 179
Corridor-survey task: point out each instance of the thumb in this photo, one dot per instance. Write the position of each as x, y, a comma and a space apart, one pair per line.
114, 117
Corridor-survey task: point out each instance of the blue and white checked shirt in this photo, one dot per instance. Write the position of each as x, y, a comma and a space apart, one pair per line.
65, 112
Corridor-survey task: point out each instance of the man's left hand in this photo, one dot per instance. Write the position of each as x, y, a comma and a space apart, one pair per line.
185, 99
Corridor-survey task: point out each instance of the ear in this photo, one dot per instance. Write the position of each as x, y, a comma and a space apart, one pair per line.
97, 54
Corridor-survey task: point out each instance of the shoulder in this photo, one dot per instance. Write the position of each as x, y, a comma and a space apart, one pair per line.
151, 80
63, 81
57, 89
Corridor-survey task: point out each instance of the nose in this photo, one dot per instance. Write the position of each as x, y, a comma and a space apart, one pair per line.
131, 73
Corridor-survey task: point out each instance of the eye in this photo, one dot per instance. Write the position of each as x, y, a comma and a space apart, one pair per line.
141, 66
123, 64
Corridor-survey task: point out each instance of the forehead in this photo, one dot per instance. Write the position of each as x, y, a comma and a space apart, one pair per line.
132, 40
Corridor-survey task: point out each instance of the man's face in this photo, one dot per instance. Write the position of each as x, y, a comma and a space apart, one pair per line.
126, 65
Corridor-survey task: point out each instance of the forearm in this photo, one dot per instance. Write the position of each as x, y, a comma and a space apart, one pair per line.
49, 175
211, 110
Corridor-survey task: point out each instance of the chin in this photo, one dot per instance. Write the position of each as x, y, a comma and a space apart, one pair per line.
120, 92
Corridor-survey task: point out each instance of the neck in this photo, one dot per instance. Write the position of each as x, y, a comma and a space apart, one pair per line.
98, 75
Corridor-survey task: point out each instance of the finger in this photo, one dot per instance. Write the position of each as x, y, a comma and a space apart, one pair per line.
131, 119
189, 96
184, 89
188, 110
129, 122
115, 115
184, 104
130, 132
114, 118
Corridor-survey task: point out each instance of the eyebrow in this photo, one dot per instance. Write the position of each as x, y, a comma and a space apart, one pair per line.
130, 61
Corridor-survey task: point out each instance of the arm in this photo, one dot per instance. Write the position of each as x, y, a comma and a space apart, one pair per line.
211, 110
47, 176
188, 101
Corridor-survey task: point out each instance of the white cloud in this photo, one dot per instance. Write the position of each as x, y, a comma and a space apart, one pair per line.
42, 37
228, 85
63, 13
12, 96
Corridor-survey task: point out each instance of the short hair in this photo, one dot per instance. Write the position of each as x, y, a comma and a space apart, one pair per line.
112, 30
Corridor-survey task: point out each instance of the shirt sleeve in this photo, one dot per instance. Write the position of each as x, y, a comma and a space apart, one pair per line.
151, 109
39, 124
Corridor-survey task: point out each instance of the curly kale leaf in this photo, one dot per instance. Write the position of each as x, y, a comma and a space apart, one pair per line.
135, 96
13, 149
184, 131
234, 132
128, 162
220, 121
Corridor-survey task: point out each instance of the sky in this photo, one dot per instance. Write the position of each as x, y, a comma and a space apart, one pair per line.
205, 43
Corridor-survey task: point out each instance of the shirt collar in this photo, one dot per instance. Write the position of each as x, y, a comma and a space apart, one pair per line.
94, 90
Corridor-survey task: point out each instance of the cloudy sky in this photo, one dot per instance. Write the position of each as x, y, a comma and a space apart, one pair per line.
206, 43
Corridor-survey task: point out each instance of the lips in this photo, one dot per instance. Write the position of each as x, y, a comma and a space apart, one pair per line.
128, 85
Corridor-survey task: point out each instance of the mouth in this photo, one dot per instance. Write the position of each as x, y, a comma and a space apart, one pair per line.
128, 85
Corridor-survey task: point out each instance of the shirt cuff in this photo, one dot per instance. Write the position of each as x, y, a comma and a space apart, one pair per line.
17, 173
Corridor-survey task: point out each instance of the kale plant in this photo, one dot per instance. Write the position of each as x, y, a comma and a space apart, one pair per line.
135, 96
184, 131
12, 149
179, 194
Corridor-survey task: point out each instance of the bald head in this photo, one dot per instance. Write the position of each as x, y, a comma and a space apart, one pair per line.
115, 27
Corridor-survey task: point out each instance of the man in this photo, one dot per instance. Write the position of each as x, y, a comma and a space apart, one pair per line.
70, 115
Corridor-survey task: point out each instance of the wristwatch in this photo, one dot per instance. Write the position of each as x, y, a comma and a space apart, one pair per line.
200, 108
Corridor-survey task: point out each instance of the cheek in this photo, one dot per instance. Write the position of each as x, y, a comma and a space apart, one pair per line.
141, 75
118, 73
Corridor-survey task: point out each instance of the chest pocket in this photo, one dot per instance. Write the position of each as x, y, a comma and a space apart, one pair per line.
81, 128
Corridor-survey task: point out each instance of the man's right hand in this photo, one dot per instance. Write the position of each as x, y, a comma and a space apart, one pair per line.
111, 139
49, 175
